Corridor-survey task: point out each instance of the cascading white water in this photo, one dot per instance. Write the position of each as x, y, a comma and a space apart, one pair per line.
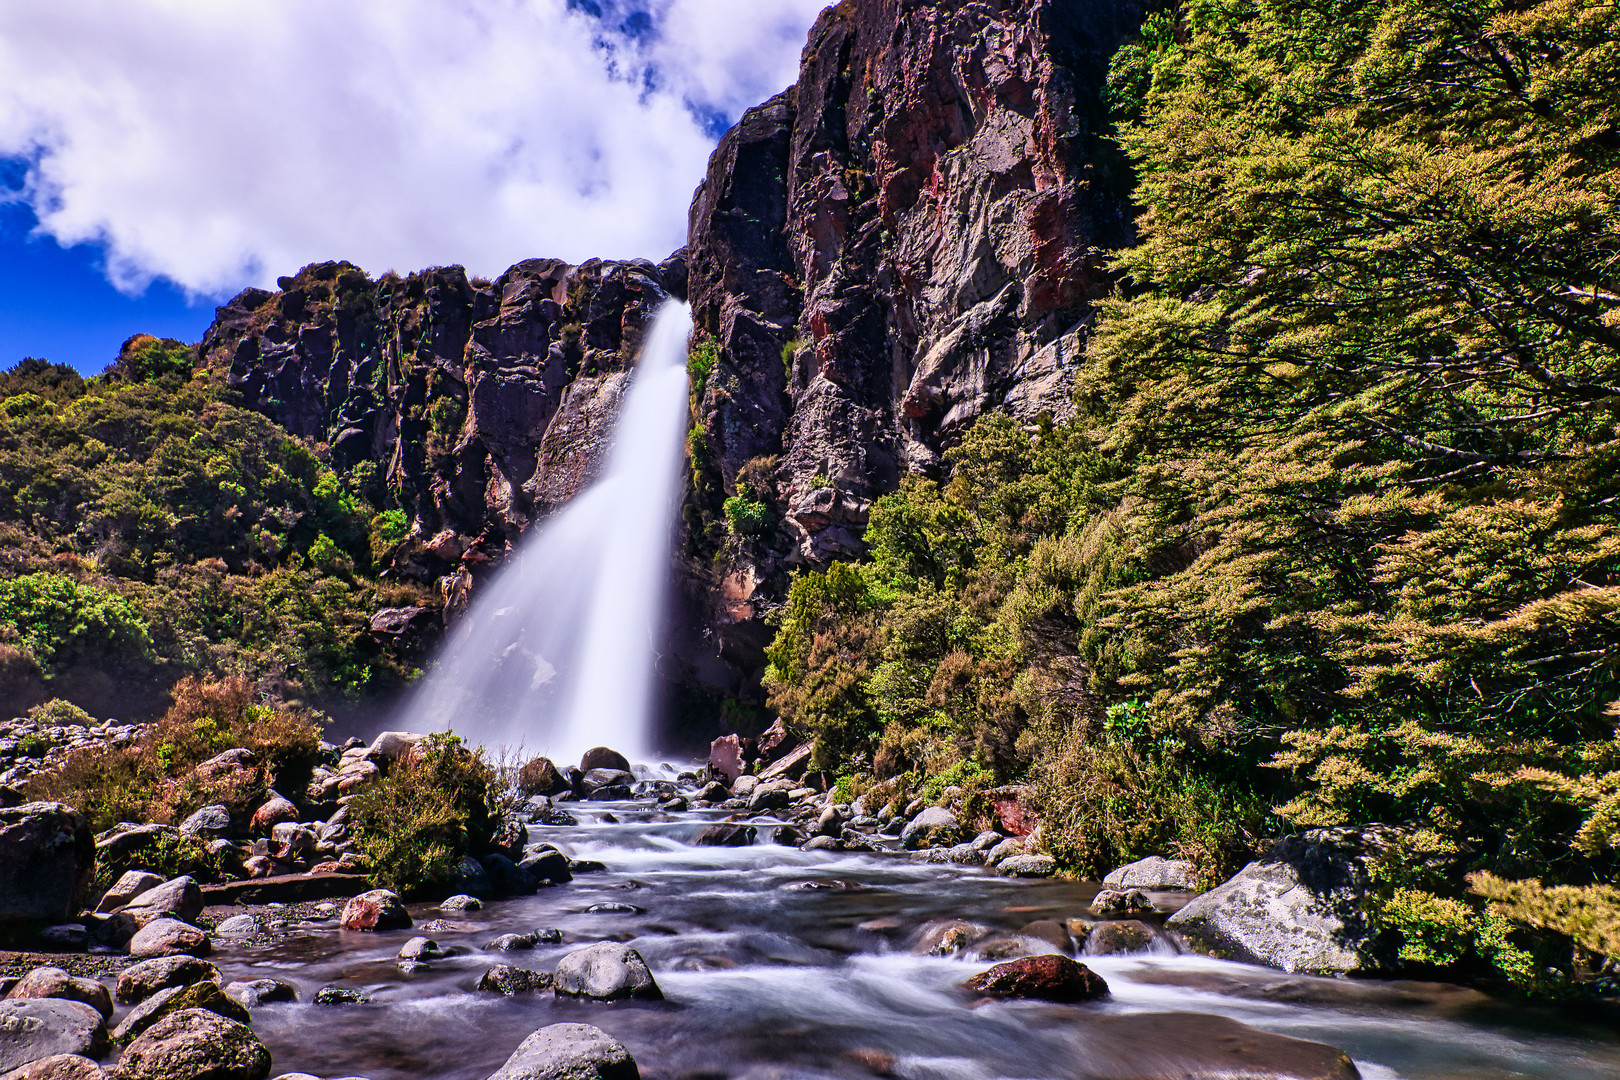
556, 653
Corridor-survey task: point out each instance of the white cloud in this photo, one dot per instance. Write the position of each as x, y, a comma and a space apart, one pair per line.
219, 143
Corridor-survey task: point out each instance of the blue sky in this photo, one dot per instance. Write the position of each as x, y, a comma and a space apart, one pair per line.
157, 156
56, 303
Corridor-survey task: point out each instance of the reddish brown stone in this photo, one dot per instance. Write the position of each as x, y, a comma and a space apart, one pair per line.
601, 757
378, 909
726, 757
1015, 816
1048, 978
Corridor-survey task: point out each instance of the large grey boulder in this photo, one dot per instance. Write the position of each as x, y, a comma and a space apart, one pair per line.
53, 982
126, 890
47, 854
45, 1027
140, 981
170, 937
1154, 872
569, 1052
195, 1043
1300, 909
58, 1067
209, 823
180, 898
607, 971
933, 826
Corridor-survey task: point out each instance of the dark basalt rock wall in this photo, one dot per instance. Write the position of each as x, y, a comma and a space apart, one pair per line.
912, 235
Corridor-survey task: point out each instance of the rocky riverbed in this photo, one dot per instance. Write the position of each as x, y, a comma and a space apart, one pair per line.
689, 943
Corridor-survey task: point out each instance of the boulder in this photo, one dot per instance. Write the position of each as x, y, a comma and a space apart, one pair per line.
390, 746
945, 937
1047, 978
596, 780
197, 1044
209, 823
180, 898
1120, 902
548, 865
932, 827
47, 855
1013, 812
46, 1027
1154, 872
540, 776
169, 937
378, 909
1180, 1046
1117, 936
774, 741
511, 981
600, 757
459, 903
252, 993
743, 787
726, 758
422, 948
126, 889
236, 760
53, 982
726, 834
569, 1052
199, 995
140, 981
606, 971
339, 995
1028, 866
470, 877
276, 810
126, 840
58, 1067
1301, 909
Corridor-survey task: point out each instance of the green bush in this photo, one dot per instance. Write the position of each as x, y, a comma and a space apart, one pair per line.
62, 621
428, 811
746, 515
59, 712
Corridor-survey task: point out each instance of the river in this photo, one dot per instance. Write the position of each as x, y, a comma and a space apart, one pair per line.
779, 963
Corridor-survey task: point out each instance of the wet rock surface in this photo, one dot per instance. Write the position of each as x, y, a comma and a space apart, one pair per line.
569, 1052
1047, 978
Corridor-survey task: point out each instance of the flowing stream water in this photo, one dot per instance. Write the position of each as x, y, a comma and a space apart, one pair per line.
781, 963
556, 653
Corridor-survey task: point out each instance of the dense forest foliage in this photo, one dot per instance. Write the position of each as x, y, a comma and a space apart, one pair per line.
1333, 537
152, 529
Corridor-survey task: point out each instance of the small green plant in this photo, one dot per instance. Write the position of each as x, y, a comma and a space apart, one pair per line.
746, 515
35, 745
700, 364
790, 354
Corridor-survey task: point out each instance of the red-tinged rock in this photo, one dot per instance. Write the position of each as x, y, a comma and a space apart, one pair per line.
1046, 978
774, 742
1013, 812
378, 909
276, 810
726, 757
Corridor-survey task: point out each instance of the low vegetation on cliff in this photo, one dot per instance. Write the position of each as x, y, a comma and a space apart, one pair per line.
1332, 537
151, 528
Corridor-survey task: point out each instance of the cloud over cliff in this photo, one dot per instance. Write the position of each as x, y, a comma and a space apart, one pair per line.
222, 144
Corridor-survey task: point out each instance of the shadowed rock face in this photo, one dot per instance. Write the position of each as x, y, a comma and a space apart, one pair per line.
483, 405
925, 216
912, 235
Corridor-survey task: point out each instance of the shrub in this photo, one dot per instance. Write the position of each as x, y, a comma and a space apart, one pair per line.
155, 779
59, 712
61, 620
746, 515
434, 806
168, 855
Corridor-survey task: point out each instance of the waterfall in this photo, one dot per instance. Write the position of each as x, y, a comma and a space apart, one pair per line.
556, 653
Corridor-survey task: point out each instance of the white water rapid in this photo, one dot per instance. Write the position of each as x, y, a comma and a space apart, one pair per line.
556, 653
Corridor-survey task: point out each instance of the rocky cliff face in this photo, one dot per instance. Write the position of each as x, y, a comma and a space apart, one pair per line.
912, 235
